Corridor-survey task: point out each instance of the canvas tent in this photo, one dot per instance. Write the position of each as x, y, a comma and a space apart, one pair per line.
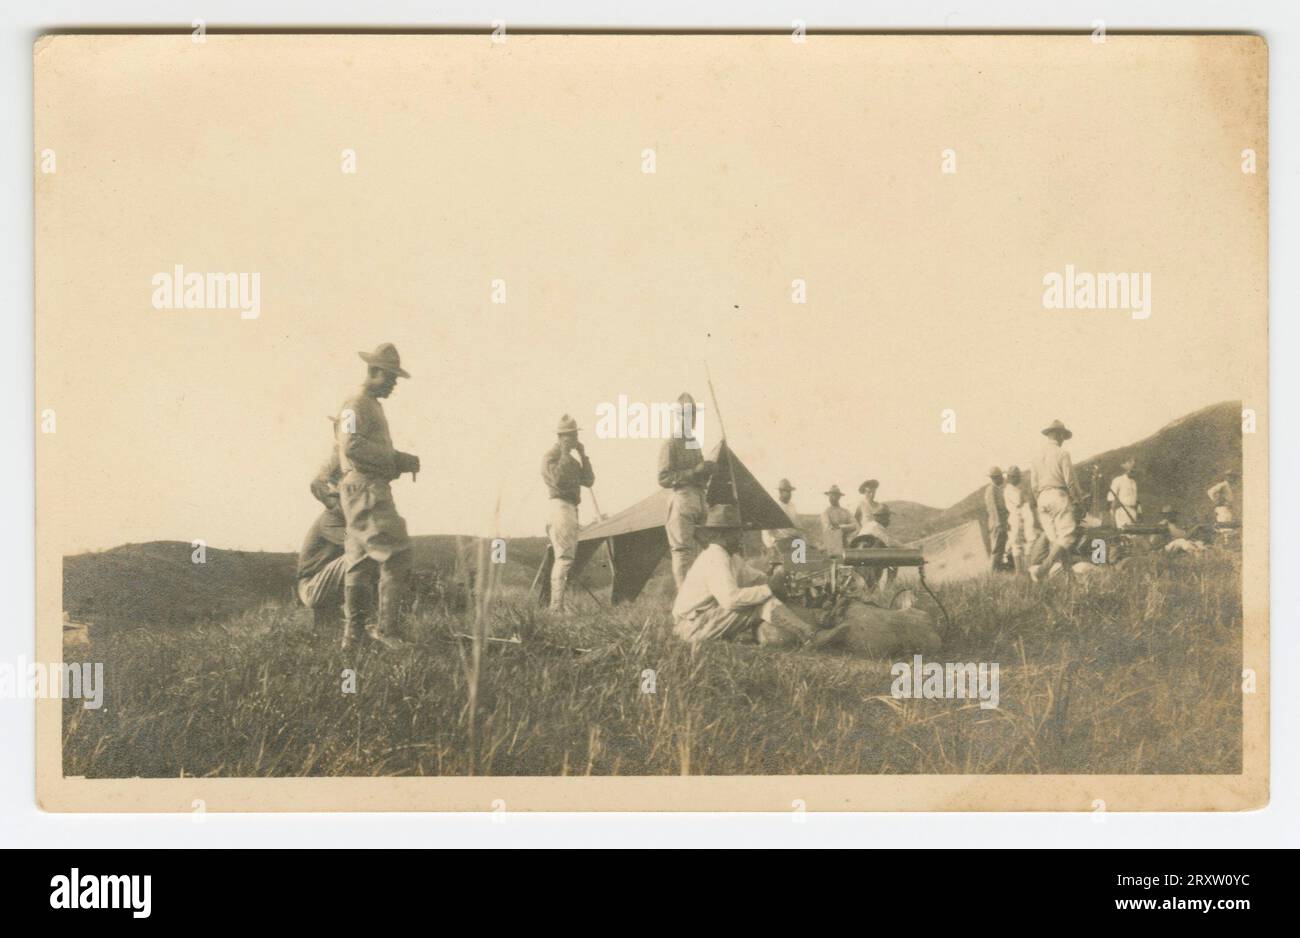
635, 537
955, 554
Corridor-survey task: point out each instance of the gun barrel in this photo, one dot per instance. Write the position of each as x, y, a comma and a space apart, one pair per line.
883, 557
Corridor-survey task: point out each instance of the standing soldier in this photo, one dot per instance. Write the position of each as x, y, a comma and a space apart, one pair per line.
1058, 492
1020, 517
1123, 495
565, 470
867, 508
1224, 497
683, 468
376, 533
995, 509
837, 523
778, 541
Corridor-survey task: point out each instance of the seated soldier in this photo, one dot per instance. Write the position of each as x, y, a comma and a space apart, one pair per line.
722, 596
1177, 539
1077, 555
873, 534
320, 561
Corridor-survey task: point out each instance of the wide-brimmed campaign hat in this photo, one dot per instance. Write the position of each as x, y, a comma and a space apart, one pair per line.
784, 486
869, 484
385, 358
722, 518
833, 490
566, 425
995, 472
1059, 428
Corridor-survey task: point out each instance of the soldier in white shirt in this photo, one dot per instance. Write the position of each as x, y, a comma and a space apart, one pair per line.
874, 534
837, 524
778, 540
1021, 528
874, 528
1224, 497
866, 509
1123, 496
723, 597
1057, 492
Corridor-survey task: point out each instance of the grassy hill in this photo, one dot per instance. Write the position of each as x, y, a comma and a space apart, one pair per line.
159, 583
1176, 465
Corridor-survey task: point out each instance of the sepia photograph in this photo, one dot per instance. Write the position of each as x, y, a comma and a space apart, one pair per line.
647, 421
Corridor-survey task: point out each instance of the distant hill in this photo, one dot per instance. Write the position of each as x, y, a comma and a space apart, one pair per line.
908, 520
156, 583
1175, 466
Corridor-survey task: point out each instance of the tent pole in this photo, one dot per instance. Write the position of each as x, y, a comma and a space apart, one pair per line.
534, 589
735, 492
591, 489
714, 397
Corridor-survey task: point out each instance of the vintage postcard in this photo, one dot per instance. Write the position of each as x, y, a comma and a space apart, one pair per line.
760, 422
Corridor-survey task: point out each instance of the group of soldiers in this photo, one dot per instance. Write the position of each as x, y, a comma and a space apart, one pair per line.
357, 554
841, 528
1034, 518
719, 594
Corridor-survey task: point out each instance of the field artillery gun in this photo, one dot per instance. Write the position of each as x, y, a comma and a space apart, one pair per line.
1111, 545
855, 576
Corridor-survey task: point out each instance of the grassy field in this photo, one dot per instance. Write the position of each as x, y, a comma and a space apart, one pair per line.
1136, 670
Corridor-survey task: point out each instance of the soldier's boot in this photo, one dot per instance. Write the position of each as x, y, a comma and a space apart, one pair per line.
384, 631
356, 602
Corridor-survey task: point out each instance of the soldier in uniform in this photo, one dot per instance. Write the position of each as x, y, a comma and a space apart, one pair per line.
683, 468
321, 564
564, 476
376, 546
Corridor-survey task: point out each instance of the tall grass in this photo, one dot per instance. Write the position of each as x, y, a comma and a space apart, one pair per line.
1126, 671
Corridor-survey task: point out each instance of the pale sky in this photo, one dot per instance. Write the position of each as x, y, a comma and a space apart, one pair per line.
523, 162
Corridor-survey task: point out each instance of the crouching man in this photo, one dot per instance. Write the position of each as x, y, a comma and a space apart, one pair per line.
723, 597
321, 564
